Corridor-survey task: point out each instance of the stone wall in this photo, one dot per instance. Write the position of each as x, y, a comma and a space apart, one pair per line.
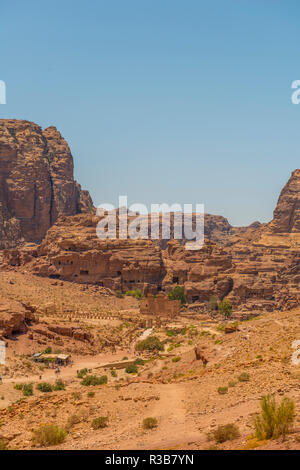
159, 306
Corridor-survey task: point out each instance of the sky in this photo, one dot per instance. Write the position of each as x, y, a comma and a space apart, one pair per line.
164, 101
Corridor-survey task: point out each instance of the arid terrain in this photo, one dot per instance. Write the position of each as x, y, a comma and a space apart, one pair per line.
182, 395
65, 292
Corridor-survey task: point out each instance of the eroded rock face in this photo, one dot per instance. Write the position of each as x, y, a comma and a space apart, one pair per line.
287, 213
203, 273
71, 332
14, 318
255, 267
72, 251
257, 275
36, 182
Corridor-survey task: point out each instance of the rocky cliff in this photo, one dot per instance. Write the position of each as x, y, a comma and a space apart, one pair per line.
36, 182
287, 213
256, 267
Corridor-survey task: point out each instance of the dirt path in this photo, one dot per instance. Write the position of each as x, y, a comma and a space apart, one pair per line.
173, 429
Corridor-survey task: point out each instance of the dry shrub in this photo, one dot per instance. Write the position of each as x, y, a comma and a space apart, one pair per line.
99, 423
149, 423
222, 390
228, 432
48, 435
72, 420
244, 377
3, 445
274, 420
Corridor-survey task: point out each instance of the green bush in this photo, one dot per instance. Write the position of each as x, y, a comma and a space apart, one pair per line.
139, 362
44, 387
135, 293
244, 377
94, 380
176, 359
99, 423
19, 386
132, 369
171, 332
231, 384
275, 420
48, 435
119, 294
222, 390
103, 379
152, 343
113, 373
48, 350
59, 385
225, 308
81, 373
149, 423
178, 294
228, 432
138, 294
175, 331
27, 390
91, 394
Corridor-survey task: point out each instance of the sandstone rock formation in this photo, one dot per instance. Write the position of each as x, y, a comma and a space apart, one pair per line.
287, 213
71, 250
257, 267
36, 182
199, 353
14, 318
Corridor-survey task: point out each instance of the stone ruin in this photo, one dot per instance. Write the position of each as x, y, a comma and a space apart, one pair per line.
159, 306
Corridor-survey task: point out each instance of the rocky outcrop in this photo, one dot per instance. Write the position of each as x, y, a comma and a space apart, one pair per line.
72, 251
255, 267
200, 354
36, 182
203, 273
287, 213
76, 333
14, 318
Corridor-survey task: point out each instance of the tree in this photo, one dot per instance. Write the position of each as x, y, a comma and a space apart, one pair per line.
152, 343
178, 294
225, 308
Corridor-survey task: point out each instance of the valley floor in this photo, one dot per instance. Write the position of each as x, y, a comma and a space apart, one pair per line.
172, 386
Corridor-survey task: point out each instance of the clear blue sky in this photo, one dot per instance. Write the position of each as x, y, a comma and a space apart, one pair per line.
163, 100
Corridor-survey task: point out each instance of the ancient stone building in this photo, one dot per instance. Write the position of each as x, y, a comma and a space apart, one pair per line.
159, 306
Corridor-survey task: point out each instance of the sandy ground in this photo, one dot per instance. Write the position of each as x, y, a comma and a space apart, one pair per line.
171, 386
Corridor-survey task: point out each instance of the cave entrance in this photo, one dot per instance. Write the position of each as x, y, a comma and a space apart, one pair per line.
83, 272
